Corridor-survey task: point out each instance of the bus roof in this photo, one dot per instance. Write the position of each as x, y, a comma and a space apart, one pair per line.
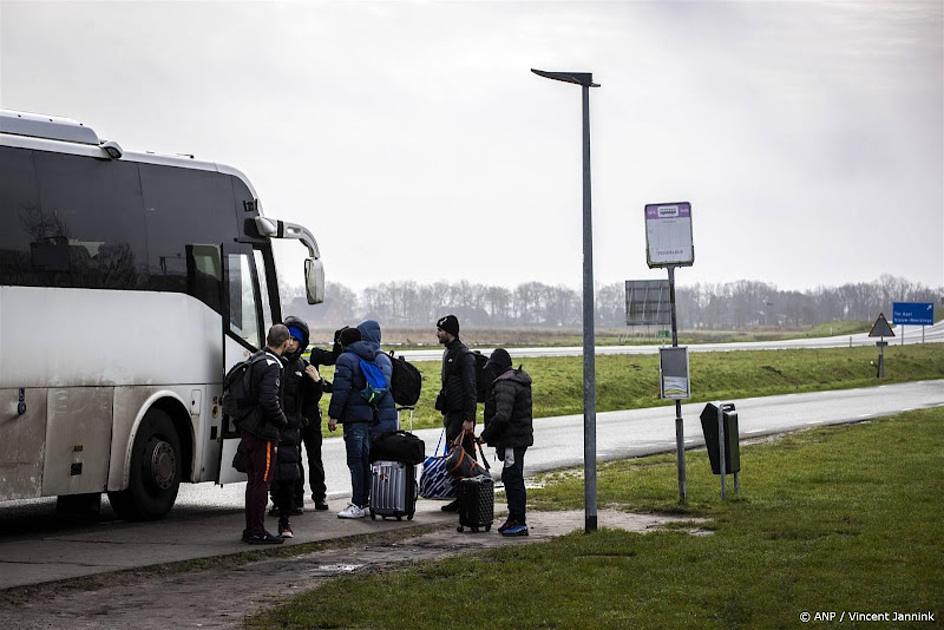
64, 135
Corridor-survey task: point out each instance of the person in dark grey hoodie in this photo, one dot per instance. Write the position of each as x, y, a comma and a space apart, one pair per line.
508, 427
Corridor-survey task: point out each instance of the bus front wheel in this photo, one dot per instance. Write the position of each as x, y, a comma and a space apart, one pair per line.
154, 476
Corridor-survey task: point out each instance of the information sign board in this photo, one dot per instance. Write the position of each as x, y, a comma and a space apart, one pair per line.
913, 313
669, 234
674, 378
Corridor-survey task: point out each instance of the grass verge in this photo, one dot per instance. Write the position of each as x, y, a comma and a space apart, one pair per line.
837, 519
632, 381
529, 337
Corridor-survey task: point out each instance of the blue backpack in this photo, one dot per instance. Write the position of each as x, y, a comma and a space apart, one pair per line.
376, 387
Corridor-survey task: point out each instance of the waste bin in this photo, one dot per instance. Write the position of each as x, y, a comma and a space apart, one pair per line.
709, 427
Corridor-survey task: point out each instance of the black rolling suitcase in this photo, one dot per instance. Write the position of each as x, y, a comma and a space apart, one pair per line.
476, 503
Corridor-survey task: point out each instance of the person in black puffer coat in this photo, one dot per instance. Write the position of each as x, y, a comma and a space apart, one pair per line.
302, 391
508, 427
311, 432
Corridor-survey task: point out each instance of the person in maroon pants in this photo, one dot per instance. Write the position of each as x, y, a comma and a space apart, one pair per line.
260, 432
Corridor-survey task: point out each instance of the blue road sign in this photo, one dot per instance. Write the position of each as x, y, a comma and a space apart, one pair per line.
913, 313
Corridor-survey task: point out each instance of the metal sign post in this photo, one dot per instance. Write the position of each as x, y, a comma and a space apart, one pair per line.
679, 424
721, 445
881, 329
669, 244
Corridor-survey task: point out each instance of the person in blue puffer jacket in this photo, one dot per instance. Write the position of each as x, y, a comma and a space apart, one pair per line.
361, 420
387, 416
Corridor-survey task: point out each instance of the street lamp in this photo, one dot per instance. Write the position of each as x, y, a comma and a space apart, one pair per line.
585, 81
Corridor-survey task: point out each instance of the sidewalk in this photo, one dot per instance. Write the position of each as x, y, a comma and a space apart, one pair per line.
220, 597
115, 546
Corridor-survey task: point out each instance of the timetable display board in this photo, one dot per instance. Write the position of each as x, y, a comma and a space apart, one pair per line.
669, 234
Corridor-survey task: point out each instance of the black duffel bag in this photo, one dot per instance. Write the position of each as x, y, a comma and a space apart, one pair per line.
398, 446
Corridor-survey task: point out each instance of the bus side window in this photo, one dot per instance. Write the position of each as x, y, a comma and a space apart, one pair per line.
243, 319
205, 274
263, 289
71, 221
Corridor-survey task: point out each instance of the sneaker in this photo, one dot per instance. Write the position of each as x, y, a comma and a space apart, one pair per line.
352, 511
285, 531
321, 505
508, 523
516, 529
297, 510
264, 538
451, 507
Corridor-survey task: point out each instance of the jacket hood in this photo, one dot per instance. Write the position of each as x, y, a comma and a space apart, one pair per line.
292, 321
370, 331
364, 349
518, 375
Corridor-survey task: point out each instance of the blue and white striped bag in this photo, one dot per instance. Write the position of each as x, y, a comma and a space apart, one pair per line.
436, 482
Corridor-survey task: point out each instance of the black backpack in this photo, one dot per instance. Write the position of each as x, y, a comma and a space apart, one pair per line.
406, 382
482, 379
238, 401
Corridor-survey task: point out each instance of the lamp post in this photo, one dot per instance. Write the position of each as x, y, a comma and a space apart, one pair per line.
585, 81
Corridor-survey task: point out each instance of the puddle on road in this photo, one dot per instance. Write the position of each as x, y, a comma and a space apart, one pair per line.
337, 568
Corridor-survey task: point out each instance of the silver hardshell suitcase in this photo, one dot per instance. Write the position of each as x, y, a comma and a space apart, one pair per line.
392, 489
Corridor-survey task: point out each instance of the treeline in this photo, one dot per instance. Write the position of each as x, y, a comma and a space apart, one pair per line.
731, 305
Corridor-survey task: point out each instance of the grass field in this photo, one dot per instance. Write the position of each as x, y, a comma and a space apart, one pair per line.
837, 519
632, 381
419, 338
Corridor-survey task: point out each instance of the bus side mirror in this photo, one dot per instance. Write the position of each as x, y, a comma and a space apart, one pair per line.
314, 280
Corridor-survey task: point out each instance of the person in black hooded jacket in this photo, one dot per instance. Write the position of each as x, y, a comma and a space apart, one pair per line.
508, 427
260, 431
302, 391
311, 432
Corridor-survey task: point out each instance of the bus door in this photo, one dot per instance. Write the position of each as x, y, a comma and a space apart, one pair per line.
242, 329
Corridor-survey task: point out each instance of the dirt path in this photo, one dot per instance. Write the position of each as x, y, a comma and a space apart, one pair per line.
223, 597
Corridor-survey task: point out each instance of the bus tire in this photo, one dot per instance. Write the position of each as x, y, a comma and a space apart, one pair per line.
154, 475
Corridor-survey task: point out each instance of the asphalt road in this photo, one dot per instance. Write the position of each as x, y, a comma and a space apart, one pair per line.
912, 335
620, 434
559, 442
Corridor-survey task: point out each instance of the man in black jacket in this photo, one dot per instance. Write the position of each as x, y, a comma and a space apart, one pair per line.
311, 432
301, 393
508, 427
457, 398
260, 432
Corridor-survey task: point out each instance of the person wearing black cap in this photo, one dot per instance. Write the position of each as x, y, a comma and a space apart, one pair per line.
508, 427
311, 432
302, 391
457, 398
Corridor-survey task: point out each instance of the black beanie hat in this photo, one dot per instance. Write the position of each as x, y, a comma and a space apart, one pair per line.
349, 336
449, 323
499, 362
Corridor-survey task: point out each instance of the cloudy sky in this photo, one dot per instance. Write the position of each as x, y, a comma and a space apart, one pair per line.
412, 139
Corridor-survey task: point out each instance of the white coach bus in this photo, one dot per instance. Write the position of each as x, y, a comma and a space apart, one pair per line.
129, 283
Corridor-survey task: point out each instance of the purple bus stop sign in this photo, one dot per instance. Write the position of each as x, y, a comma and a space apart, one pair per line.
669, 234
